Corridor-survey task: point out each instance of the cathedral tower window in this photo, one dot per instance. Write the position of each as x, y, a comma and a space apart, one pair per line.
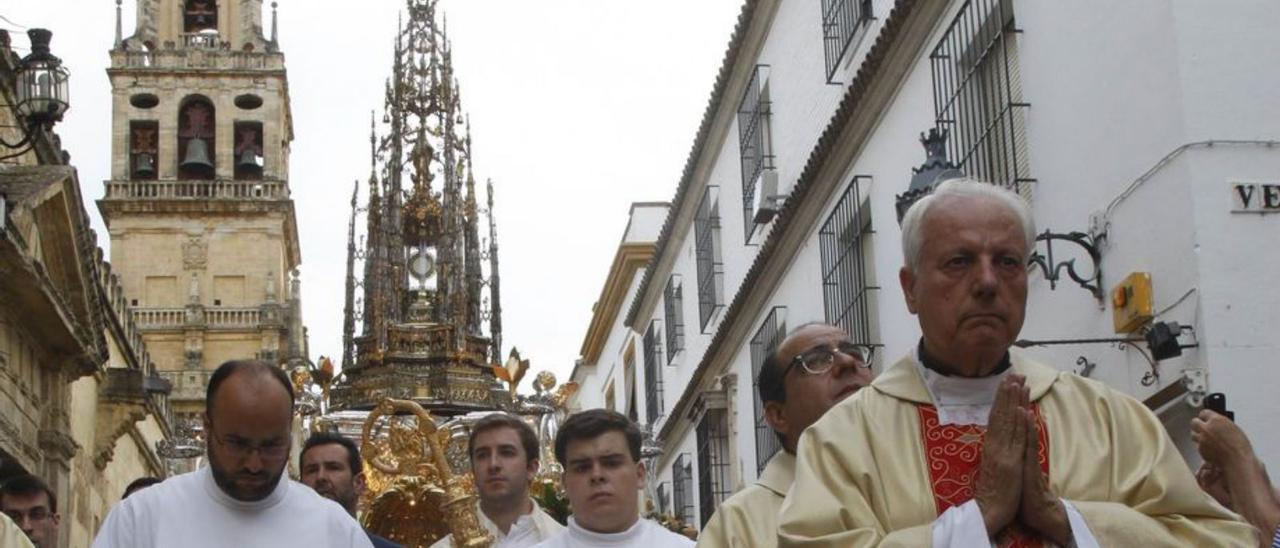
248, 151
143, 149
196, 139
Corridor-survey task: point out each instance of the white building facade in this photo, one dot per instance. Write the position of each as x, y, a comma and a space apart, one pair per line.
1150, 129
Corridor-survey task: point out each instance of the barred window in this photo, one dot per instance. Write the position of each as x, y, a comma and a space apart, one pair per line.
713, 462
755, 146
652, 373
764, 343
845, 247
664, 498
842, 20
977, 94
673, 316
682, 483
706, 229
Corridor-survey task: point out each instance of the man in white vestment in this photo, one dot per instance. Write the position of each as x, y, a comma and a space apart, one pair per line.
965, 442
603, 475
504, 459
815, 367
242, 497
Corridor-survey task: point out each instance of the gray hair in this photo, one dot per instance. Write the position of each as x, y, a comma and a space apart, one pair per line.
913, 221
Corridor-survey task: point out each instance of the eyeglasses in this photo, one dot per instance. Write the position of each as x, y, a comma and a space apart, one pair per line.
241, 449
819, 360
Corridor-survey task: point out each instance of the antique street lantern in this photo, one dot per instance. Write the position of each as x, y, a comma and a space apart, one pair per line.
41, 88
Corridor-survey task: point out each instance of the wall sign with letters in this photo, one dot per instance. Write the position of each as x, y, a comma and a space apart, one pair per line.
1255, 197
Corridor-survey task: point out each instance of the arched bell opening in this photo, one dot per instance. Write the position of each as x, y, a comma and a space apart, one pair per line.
143, 149
248, 151
196, 132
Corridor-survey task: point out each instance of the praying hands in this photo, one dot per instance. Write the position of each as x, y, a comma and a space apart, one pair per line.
1010, 485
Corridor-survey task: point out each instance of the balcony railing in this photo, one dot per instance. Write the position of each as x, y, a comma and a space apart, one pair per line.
209, 59
159, 318
202, 40
231, 317
197, 190
208, 317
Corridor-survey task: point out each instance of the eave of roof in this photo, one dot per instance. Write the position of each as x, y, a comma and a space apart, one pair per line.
699, 144
869, 72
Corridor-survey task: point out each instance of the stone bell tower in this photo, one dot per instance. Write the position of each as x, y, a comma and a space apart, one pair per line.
198, 207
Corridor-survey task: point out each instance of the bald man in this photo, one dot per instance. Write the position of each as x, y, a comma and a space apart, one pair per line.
815, 367
242, 497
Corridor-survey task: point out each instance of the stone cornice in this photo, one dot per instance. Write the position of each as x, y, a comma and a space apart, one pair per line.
122, 401
629, 258
58, 445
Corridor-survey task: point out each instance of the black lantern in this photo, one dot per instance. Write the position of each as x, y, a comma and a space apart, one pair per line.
41, 88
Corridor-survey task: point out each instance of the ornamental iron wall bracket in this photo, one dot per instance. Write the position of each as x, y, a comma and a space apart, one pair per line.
1053, 270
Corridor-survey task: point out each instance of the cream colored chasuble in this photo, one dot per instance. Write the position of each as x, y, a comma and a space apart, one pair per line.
749, 519
863, 478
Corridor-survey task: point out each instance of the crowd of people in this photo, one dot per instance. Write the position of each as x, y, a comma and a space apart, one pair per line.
963, 441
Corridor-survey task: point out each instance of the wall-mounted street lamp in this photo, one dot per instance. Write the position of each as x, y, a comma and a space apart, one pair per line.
42, 92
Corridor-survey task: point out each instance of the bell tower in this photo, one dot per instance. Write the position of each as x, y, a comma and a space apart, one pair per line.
198, 207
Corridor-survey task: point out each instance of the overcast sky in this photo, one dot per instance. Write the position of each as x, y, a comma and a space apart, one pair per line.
578, 108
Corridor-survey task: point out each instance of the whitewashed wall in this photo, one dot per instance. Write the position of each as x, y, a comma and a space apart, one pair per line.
1114, 88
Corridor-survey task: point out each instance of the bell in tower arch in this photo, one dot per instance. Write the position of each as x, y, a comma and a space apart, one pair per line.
248, 150
144, 166
197, 158
143, 148
195, 133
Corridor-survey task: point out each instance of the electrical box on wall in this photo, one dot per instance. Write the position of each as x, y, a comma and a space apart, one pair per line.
1131, 302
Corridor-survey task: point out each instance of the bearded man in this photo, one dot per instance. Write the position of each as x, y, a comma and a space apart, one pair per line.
242, 497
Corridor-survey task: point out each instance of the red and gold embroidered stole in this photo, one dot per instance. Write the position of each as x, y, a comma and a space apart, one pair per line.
953, 454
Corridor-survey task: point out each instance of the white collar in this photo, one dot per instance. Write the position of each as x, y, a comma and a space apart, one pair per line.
631, 535
524, 521
961, 400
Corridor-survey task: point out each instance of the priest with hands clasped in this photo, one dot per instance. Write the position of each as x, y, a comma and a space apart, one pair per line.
967, 442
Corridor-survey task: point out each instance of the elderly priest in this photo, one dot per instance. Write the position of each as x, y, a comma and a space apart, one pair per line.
966, 443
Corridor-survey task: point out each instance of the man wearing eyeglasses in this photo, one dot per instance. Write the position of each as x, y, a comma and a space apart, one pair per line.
965, 442
31, 504
814, 368
242, 497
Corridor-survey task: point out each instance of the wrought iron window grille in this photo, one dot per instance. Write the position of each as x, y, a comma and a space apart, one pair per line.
673, 315
977, 93
766, 340
706, 227
756, 149
713, 463
652, 374
845, 245
682, 488
842, 21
